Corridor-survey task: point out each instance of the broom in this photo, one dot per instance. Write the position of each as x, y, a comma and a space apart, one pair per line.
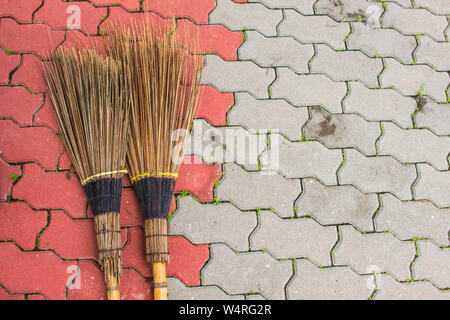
164, 84
91, 105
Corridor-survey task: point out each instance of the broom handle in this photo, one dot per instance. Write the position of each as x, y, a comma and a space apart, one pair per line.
112, 291
159, 281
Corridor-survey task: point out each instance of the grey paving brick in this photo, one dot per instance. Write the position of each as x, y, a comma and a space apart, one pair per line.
314, 29
432, 264
178, 291
254, 297
414, 21
379, 104
239, 273
436, 54
261, 190
414, 145
381, 42
377, 174
367, 11
294, 238
206, 223
413, 219
342, 130
414, 79
403, 3
304, 6
390, 289
225, 144
276, 51
307, 90
374, 251
267, 114
241, 16
346, 65
435, 6
305, 159
433, 185
237, 76
434, 116
337, 283
348, 204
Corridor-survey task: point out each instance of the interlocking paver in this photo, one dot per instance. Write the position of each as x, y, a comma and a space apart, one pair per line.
338, 283
206, 223
437, 54
348, 204
19, 104
237, 76
309, 89
367, 11
380, 251
432, 264
29, 74
433, 116
435, 6
8, 62
413, 219
305, 6
341, 130
294, 238
305, 159
241, 16
197, 10
381, 42
346, 65
415, 79
213, 105
252, 113
276, 51
21, 10
178, 291
377, 174
314, 29
406, 21
263, 190
131, 5
433, 185
8, 174
239, 273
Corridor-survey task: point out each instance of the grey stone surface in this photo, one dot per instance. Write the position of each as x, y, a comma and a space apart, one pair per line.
367, 11
414, 145
237, 76
374, 251
337, 204
435, 6
225, 144
433, 116
304, 159
256, 296
433, 264
436, 54
381, 42
346, 65
413, 219
342, 130
390, 289
279, 51
337, 283
377, 174
294, 238
178, 291
414, 79
314, 29
379, 104
414, 21
241, 16
206, 223
278, 114
240, 273
433, 185
307, 90
262, 190
304, 6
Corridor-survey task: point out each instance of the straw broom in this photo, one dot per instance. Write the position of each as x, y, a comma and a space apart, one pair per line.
164, 84
91, 103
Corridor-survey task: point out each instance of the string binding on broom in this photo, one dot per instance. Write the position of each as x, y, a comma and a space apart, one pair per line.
154, 174
98, 175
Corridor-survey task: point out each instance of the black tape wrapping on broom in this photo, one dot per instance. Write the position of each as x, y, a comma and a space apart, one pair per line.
104, 195
154, 195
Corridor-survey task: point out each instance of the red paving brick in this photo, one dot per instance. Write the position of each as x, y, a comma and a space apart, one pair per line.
131, 5
117, 15
70, 15
7, 64
6, 296
37, 144
7, 174
29, 74
19, 104
21, 224
21, 10
45, 116
197, 10
213, 105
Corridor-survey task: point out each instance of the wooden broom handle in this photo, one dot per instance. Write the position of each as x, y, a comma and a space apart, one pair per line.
159, 281
112, 292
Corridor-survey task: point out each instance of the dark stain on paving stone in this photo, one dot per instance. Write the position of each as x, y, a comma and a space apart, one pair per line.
68, 176
325, 124
326, 127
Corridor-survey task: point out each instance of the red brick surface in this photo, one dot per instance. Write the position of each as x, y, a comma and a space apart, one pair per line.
213, 105
29, 74
7, 64
196, 10
7, 177
21, 10
19, 104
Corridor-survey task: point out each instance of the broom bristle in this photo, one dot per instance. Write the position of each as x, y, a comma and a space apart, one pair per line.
90, 102
164, 81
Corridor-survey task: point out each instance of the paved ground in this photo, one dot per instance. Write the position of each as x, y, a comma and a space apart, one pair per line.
351, 98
